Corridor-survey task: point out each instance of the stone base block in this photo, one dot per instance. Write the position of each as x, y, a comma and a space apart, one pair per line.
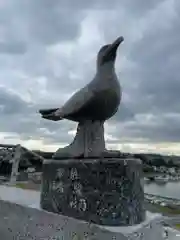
102, 191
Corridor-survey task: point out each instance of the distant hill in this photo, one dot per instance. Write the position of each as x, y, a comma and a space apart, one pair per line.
44, 154
158, 159
148, 159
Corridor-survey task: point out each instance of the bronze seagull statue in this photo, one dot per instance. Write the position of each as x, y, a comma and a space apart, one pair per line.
91, 106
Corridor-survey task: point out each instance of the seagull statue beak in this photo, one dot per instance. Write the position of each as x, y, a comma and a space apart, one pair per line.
114, 46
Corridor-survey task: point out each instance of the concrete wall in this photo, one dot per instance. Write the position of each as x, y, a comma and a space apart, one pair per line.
23, 223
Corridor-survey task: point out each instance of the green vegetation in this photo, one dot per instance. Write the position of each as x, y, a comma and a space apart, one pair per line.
21, 185
29, 186
167, 210
177, 225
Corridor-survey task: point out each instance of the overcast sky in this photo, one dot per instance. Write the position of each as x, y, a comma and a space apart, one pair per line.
48, 51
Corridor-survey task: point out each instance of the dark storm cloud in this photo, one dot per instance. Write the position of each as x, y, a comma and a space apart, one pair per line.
134, 7
152, 79
30, 29
158, 128
157, 57
140, 6
11, 103
12, 48
123, 114
21, 118
50, 21
16, 114
42, 21
157, 77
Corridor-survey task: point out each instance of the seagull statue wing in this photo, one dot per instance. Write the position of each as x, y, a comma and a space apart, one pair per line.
74, 104
77, 101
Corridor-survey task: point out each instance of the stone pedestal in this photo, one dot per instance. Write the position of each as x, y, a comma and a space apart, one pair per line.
105, 191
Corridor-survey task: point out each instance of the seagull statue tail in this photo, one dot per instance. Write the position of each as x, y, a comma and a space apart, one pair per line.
51, 114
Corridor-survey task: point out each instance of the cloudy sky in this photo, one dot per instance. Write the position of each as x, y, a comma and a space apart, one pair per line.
48, 51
